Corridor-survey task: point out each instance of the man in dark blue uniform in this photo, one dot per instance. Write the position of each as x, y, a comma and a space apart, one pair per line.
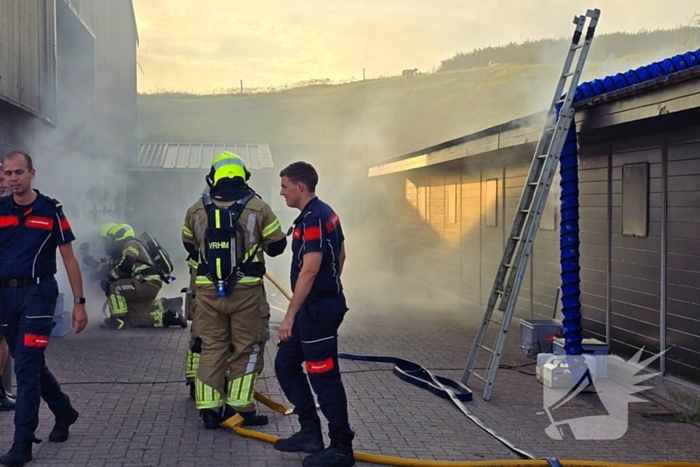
32, 227
309, 331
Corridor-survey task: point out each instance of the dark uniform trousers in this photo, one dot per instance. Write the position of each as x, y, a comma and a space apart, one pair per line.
26, 317
314, 342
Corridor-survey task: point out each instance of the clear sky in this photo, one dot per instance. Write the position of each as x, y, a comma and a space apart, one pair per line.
202, 45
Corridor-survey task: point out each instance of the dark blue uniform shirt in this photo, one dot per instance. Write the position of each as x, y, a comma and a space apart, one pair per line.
29, 236
318, 229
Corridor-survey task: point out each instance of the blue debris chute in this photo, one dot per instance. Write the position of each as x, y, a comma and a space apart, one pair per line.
569, 227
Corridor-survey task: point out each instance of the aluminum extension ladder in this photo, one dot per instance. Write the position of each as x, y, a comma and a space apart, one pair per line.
532, 201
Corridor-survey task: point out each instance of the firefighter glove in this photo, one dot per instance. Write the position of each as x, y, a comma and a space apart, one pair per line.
196, 345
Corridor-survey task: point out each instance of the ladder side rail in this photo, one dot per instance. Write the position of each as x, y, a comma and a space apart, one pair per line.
540, 199
557, 144
517, 277
532, 203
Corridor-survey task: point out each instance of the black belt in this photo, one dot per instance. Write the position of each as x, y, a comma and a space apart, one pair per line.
13, 283
316, 294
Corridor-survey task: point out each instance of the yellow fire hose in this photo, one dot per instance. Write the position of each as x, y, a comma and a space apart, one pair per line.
235, 422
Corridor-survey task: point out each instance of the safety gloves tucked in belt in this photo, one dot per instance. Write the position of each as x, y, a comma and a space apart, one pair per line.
106, 286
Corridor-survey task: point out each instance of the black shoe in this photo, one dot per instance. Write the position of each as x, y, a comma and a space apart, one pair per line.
18, 455
170, 318
306, 440
333, 456
60, 430
211, 418
249, 418
7, 402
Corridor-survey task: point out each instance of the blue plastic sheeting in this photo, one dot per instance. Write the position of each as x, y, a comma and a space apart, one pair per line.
569, 230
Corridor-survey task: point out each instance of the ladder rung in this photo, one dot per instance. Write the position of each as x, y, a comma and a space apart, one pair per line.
542, 156
571, 73
534, 183
473, 373
525, 211
577, 47
496, 321
488, 349
517, 239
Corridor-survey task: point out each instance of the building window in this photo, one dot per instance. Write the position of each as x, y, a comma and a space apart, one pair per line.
451, 204
635, 199
491, 207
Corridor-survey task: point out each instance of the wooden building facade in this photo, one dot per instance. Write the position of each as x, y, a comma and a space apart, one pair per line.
639, 183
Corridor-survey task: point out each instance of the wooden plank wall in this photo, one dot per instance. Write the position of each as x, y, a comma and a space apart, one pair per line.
460, 258
683, 261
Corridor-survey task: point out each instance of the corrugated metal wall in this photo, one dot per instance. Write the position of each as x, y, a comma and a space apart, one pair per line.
27, 61
28, 67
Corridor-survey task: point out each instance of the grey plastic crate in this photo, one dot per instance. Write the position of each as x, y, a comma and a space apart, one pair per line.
61, 319
534, 333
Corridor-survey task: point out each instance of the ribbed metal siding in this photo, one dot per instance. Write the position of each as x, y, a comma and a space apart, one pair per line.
199, 156
27, 62
9, 50
23, 52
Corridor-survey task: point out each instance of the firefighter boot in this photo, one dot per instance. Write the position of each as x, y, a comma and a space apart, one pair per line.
170, 318
211, 418
113, 324
60, 430
338, 454
249, 418
18, 455
309, 439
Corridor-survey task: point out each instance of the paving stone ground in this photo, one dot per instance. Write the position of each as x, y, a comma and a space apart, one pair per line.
135, 410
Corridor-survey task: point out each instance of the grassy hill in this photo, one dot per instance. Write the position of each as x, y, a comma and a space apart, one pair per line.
382, 117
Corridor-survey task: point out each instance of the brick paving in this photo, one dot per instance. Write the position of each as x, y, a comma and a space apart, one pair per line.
135, 409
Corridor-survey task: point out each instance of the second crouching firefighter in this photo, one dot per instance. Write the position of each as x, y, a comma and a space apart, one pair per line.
227, 231
133, 285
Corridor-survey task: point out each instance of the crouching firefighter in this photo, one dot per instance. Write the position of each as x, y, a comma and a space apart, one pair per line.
134, 284
227, 231
98, 269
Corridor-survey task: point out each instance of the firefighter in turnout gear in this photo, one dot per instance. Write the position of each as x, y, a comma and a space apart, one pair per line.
99, 269
228, 230
195, 348
133, 285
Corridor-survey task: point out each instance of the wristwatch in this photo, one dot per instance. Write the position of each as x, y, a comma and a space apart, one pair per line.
79, 301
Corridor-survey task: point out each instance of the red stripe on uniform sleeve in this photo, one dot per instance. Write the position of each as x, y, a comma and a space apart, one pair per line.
312, 233
65, 225
9, 221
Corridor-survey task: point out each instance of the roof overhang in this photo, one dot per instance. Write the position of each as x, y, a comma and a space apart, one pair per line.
198, 156
672, 93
